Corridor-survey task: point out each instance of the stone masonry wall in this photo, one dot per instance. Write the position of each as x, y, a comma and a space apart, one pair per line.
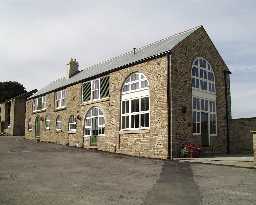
198, 44
148, 143
240, 135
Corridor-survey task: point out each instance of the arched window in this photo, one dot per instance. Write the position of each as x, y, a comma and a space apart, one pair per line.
203, 100
47, 122
72, 124
203, 76
135, 102
94, 123
29, 124
58, 123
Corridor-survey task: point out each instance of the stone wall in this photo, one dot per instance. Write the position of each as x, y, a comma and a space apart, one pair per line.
254, 147
17, 117
241, 141
148, 143
198, 44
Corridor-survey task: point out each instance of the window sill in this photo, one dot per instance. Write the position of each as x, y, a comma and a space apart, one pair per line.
95, 101
135, 131
30, 130
60, 108
58, 130
71, 132
38, 111
47, 128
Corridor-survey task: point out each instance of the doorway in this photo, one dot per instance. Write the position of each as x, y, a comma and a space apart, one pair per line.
37, 127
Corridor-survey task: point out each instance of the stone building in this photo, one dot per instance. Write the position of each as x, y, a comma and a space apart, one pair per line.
147, 102
12, 115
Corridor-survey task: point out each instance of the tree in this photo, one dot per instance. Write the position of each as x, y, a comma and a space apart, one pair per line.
10, 89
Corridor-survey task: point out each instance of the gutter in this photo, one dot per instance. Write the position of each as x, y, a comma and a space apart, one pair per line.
226, 72
169, 105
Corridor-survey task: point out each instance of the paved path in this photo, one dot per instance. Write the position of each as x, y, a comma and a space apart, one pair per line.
235, 161
49, 174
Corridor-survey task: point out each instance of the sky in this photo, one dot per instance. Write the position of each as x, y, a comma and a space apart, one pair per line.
38, 38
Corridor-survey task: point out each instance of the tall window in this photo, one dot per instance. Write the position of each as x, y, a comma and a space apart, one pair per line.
58, 123
60, 99
39, 103
47, 122
72, 124
135, 102
94, 123
95, 89
203, 100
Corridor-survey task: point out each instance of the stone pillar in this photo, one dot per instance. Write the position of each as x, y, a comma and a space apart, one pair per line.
254, 144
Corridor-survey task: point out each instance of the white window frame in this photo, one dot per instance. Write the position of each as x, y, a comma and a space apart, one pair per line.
74, 122
206, 70
201, 94
35, 103
132, 94
90, 117
58, 121
94, 89
60, 99
47, 120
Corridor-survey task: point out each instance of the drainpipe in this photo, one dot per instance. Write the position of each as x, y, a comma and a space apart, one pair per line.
169, 104
226, 73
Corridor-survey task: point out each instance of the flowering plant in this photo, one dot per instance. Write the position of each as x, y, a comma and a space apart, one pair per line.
190, 150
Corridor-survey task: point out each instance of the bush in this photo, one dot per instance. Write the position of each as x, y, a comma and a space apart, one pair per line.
190, 150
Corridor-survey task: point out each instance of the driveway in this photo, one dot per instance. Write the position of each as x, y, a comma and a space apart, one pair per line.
35, 174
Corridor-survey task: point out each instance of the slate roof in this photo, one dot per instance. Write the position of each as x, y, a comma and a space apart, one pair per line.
149, 51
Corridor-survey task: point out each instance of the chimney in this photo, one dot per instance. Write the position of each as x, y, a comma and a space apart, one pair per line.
73, 67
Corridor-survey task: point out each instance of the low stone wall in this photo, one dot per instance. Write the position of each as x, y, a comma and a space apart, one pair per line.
254, 145
241, 141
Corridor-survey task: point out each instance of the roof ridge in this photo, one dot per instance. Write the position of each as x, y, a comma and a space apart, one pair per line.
141, 48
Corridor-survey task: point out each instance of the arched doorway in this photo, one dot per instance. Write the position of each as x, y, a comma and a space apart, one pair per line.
37, 127
94, 125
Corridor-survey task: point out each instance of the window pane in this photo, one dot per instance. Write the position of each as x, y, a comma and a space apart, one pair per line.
202, 104
134, 77
206, 105
123, 107
193, 82
127, 106
195, 71
144, 84
194, 128
135, 121
198, 103
135, 105
132, 121
147, 120
194, 117
137, 118
201, 73
125, 88
145, 104
194, 103
198, 127
135, 86
127, 122
197, 83
123, 122
198, 117
202, 63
